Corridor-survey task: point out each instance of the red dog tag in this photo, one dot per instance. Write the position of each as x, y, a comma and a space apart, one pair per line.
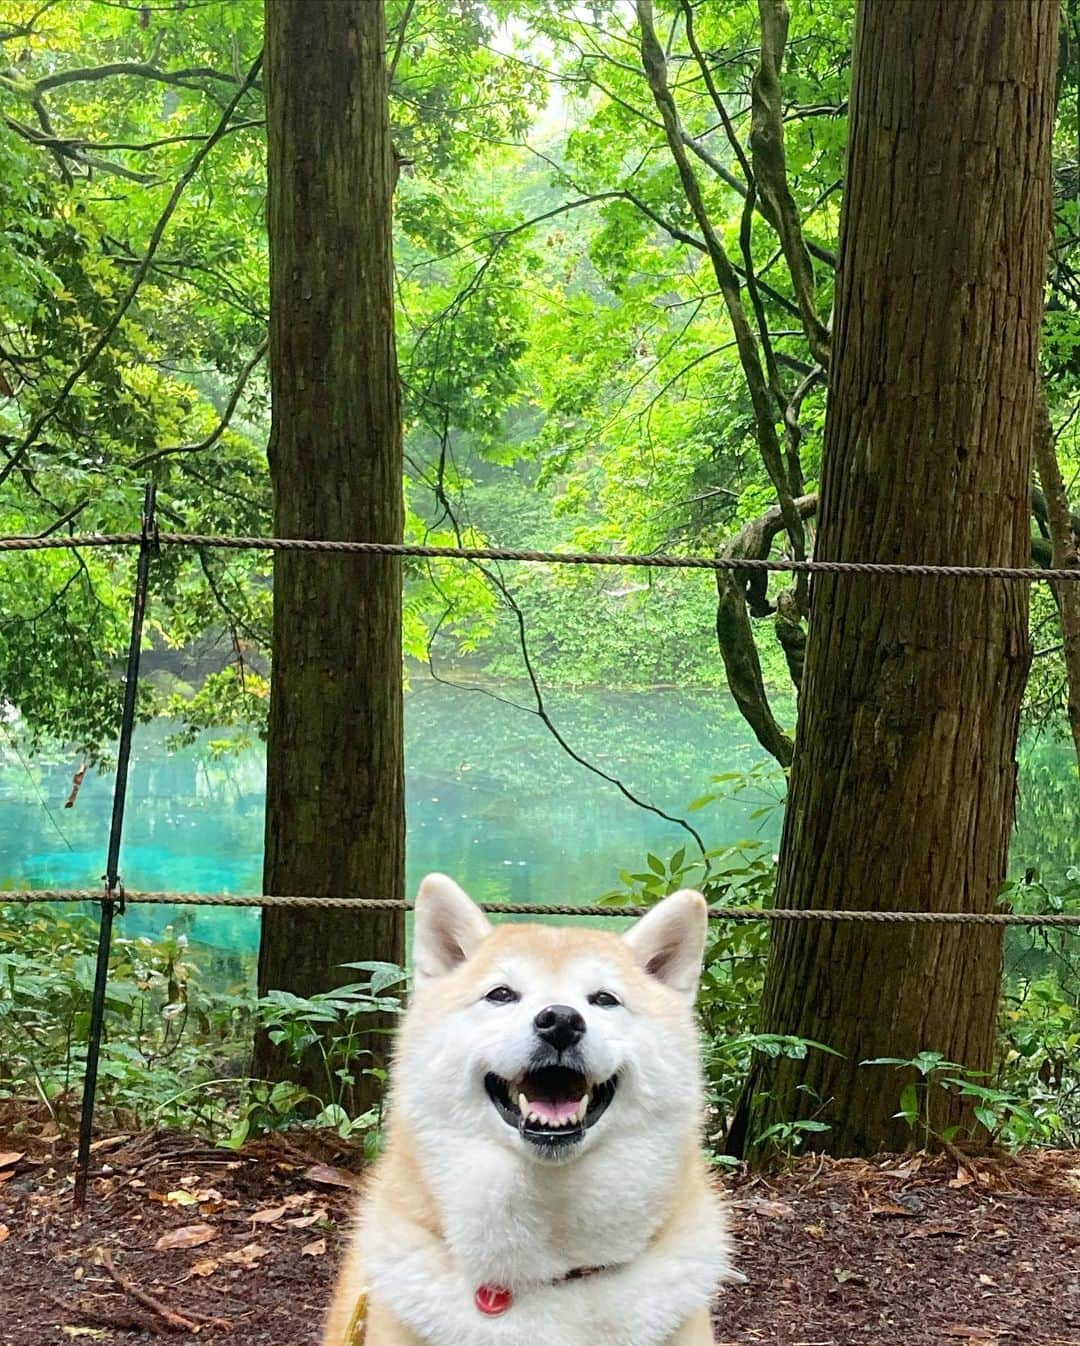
493, 1300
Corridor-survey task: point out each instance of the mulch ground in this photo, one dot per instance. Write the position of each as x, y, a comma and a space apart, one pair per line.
240, 1248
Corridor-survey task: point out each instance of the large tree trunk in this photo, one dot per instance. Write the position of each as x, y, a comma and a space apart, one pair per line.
902, 791
335, 791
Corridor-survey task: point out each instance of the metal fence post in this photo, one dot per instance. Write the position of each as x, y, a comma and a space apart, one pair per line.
114, 891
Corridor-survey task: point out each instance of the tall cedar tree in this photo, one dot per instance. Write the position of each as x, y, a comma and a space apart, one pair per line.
335, 788
903, 782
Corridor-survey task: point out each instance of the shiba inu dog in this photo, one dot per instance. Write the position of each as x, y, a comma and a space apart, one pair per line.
542, 1183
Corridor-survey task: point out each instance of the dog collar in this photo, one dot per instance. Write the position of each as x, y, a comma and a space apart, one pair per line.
493, 1300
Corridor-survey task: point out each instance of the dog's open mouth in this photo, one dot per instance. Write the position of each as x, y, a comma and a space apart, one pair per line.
550, 1105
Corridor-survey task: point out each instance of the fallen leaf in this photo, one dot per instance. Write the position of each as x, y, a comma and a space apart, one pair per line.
181, 1197
85, 1332
891, 1209
246, 1256
108, 1143
190, 1236
10, 1157
326, 1176
987, 1280
268, 1215
304, 1221
982, 1335
843, 1277
205, 1266
963, 1178
314, 1249
4, 1232
816, 1230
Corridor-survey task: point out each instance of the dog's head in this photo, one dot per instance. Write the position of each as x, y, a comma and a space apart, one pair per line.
549, 1039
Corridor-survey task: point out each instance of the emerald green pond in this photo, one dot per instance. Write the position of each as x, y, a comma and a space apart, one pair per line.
492, 799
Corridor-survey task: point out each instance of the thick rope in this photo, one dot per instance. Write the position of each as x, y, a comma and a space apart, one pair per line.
1027, 574
772, 914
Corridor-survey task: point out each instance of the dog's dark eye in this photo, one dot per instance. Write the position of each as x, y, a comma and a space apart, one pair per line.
604, 1000
502, 995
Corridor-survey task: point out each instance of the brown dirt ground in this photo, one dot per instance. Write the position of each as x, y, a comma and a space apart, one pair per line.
898, 1250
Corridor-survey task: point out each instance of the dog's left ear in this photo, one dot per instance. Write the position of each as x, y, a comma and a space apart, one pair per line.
447, 927
669, 942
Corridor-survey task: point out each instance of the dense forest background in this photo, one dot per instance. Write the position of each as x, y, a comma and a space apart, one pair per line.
568, 367
615, 237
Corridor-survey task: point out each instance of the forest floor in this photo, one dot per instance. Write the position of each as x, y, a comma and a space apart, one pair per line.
240, 1248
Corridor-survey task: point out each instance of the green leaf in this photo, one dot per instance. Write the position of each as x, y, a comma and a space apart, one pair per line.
909, 1102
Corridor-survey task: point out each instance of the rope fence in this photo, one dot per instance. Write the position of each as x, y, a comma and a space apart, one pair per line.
663, 560
772, 915
150, 540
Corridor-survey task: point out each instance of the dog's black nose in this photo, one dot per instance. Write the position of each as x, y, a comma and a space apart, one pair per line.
560, 1026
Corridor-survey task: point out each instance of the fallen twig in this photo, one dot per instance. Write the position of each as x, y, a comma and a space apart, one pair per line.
129, 1320
960, 1159
176, 1321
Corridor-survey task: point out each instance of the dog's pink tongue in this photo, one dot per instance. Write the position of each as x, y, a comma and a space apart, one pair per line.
556, 1112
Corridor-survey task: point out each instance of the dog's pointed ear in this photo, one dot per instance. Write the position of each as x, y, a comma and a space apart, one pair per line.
447, 927
669, 942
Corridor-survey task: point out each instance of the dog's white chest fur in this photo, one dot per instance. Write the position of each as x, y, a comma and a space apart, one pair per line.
513, 1224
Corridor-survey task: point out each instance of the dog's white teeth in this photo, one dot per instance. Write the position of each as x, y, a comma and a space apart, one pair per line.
583, 1108
523, 1105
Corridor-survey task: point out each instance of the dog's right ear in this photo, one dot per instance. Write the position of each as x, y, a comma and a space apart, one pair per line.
447, 928
669, 941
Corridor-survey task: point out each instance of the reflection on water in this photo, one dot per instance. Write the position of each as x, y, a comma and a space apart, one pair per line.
492, 799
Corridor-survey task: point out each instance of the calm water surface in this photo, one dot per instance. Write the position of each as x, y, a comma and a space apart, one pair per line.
492, 799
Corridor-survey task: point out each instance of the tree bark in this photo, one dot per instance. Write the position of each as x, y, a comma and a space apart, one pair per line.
335, 788
904, 776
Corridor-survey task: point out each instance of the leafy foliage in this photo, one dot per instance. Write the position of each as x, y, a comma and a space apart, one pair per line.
570, 379
176, 1050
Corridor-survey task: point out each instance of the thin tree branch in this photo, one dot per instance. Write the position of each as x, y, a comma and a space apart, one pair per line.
734, 634
541, 711
67, 517
141, 147
90, 74
59, 146
105, 335
540, 708
399, 45
770, 170
26, 29
222, 425
655, 67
